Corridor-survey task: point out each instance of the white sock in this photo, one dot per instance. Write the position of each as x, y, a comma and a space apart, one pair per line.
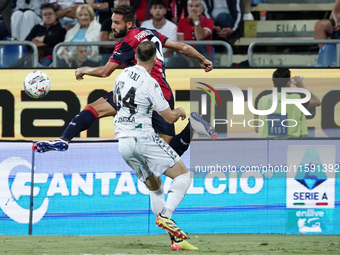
157, 200
176, 194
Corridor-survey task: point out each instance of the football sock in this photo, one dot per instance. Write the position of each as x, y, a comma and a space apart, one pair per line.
157, 200
180, 142
176, 194
157, 204
80, 122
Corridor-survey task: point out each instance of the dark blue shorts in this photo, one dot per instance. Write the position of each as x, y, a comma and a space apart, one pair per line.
158, 122
109, 98
160, 125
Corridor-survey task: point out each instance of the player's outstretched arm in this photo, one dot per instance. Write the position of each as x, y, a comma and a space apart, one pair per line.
190, 52
171, 116
99, 71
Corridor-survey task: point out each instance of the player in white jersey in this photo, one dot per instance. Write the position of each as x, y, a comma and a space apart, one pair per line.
136, 93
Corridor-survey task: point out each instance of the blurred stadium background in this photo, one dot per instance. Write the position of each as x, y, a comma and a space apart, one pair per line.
89, 190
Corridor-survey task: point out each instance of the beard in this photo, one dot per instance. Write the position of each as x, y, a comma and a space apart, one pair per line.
121, 33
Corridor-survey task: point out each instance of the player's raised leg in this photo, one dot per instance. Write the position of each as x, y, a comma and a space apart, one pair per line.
201, 126
181, 183
102, 107
180, 142
156, 191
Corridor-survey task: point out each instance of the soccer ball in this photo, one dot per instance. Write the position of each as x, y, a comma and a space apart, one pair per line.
37, 84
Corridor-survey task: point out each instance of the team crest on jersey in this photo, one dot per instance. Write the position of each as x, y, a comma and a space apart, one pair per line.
156, 85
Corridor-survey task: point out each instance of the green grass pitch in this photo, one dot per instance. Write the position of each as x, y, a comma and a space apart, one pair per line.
160, 244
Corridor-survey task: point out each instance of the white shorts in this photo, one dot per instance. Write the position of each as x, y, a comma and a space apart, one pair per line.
147, 156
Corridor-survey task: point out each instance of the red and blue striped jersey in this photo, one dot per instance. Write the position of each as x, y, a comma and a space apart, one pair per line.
125, 51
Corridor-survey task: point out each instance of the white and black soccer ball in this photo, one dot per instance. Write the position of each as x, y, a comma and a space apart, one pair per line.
37, 84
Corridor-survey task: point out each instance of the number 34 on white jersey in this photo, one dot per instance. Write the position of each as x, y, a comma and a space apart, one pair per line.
136, 94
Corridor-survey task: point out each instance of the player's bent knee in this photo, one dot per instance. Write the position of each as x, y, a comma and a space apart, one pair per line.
103, 108
153, 183
92, 110
186, 180
178, 169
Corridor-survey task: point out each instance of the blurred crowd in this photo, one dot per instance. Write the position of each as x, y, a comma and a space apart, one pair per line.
49, 22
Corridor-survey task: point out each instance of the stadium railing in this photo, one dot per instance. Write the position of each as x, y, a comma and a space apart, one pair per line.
229, 51
292, 42
63, 44
293, 7
35, 55
215, 43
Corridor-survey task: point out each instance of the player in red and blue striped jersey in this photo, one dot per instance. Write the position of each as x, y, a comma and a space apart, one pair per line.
123, 26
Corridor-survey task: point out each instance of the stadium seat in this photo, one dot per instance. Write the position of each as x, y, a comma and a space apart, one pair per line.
10, 53
327, 56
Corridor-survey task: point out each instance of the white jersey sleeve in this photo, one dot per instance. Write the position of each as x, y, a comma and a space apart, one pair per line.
155, 94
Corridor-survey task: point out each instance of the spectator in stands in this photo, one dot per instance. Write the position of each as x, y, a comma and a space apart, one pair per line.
26, 14
159, 23
6, 13
274, 129
102, 9
329, 27
47, 35
67, 12
87, 30
78, 58
4, 32
324, 29
196, 27
228, 19
177, 9
143, 7
247, 7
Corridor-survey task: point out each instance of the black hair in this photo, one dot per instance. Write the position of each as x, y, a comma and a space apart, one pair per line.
158, 2
48, 5
281, 77
127, 12
145, 51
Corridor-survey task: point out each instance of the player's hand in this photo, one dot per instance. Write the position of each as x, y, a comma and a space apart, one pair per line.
79, 73
181, 113
207, 65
